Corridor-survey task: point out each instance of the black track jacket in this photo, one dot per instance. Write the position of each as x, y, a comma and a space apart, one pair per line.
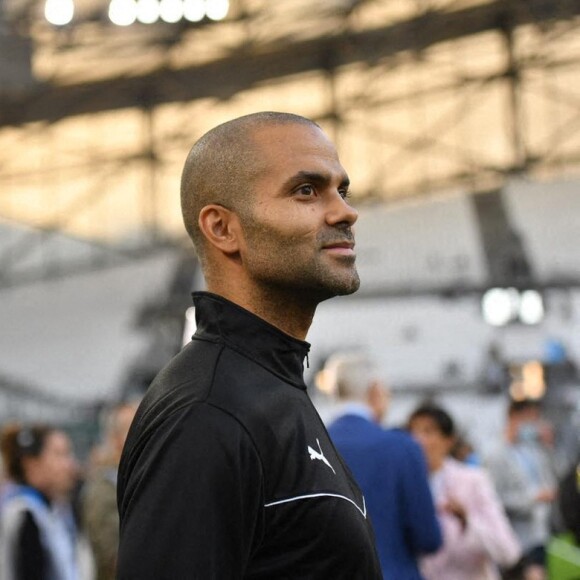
228, 471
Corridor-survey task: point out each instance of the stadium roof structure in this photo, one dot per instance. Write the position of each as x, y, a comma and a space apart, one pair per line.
421, 97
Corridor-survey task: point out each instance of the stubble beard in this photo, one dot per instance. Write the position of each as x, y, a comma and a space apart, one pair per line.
277, 267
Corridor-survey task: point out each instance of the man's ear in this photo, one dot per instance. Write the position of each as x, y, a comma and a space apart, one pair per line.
221, 228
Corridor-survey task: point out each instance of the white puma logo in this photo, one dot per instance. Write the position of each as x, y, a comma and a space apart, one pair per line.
319, 455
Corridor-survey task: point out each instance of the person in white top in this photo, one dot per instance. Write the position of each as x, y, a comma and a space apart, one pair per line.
477, 537
37, 535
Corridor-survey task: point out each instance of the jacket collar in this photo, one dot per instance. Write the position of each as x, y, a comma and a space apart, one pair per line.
220, 320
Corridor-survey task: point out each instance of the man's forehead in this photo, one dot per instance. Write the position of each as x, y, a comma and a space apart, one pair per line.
296, 147
296, 137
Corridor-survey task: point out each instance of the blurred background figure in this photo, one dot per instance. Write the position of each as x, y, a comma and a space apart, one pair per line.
388, 466
464, 451
477, 537
524, 475
99, 500
38, 535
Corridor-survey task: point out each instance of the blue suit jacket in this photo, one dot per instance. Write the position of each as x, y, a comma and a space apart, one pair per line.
391, 471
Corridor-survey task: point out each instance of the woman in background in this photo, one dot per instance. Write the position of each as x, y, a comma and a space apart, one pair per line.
477, 537
37, 536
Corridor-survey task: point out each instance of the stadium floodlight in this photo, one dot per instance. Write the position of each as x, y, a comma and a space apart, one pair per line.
148, 11
498, 306
59, 12
501, 306
123, 12
217, 9
194, 10
531, 309
171, 11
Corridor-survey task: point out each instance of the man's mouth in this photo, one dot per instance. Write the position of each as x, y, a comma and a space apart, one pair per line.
345, 248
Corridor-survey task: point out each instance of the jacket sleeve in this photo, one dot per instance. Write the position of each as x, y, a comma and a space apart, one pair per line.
422, 529
192, 501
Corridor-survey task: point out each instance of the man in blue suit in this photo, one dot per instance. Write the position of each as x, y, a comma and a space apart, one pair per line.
388, 465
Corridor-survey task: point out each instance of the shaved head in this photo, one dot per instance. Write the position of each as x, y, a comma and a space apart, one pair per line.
222, 167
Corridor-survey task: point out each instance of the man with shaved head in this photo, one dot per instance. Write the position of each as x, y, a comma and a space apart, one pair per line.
228, 471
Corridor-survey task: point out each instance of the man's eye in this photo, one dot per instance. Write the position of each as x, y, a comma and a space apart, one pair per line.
344, 193
306, 190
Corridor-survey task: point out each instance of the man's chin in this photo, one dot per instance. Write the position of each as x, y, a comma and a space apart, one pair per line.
351, 288
344, 287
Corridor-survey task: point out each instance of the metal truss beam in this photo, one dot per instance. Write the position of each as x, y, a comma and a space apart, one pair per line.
248, 67
104, 259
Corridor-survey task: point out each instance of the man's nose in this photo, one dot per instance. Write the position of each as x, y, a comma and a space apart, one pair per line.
340, 211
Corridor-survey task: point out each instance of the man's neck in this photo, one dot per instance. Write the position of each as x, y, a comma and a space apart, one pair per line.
290, 315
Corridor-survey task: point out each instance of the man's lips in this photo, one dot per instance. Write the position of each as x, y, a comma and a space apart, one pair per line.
345, 248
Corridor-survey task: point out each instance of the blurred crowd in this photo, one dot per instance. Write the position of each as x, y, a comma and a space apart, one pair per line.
440, 510
58, 518
513, 513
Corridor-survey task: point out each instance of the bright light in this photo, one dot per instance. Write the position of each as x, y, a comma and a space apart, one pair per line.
503, 305
533, 376
59, 12
528, 381
171, 10
517, 391
123, 12
531, 307
217, 9
147, 11
498, 306
194, 10
126, 12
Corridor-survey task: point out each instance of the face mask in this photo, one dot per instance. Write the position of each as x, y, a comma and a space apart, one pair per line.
528, 433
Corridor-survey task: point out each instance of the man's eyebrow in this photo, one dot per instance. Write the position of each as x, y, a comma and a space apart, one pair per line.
316, 178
